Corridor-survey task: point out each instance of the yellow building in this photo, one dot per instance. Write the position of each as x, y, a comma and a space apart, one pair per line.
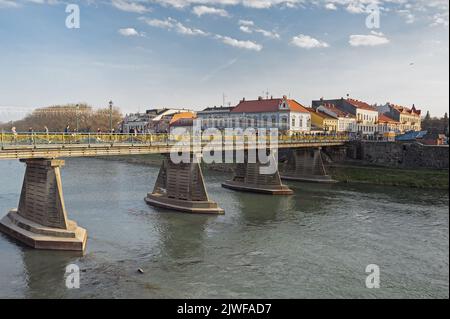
322, 121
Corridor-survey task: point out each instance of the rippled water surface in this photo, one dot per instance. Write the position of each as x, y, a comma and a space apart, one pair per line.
316, 243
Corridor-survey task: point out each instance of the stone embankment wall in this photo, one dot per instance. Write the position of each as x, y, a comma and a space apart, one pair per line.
395, 154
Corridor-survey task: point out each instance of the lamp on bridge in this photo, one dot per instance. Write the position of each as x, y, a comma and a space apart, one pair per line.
110, 116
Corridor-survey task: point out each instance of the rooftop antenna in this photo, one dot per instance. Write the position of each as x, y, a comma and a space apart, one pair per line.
267, 94
223, 99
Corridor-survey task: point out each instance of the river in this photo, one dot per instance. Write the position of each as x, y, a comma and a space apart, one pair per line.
314, 244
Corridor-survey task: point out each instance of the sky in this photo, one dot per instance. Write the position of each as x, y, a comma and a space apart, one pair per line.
194, 54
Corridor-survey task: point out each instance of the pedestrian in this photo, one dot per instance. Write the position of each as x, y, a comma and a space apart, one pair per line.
67, 129
13, 130
47, 137
30, 132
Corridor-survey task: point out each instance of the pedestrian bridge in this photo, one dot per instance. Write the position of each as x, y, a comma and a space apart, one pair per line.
59, 145
41, 220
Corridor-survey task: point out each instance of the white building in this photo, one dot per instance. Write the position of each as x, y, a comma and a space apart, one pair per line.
217, 117
285, 114
365, 114
346, 121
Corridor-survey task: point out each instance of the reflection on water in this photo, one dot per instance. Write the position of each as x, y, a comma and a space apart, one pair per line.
315, 243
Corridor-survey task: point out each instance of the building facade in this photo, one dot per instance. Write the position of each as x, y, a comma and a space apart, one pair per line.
184, 120
135, 122
365, 114
215, 117
387, 124
322, 121
346, 121
285, 114
409, 118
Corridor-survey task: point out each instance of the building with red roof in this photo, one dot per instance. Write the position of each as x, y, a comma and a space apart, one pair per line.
409, 118
346, 122
366, 115
282, 113
387, 124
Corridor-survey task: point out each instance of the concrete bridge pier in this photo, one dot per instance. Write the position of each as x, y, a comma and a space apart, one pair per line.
306, 165
41, 219
248, 178
181, 187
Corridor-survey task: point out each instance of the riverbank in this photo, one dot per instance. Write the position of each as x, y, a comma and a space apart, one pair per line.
344, 173
413, 178
148, 159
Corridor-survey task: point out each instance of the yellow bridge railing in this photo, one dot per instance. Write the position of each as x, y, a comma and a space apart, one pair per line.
23, 139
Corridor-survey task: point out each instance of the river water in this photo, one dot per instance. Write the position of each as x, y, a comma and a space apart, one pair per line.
314, 244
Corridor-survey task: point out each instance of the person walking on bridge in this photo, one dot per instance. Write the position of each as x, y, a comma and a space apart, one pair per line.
31, 133
47, 137
13, 130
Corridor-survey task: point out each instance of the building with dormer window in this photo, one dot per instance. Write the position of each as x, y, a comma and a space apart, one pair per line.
409, 118
365, 114
287, 115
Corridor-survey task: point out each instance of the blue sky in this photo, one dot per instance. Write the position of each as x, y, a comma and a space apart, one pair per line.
187, 53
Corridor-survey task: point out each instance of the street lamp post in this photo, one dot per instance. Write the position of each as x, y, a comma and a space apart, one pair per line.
110, 116
76, 112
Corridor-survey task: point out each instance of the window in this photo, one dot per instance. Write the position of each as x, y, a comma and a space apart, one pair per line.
293, 122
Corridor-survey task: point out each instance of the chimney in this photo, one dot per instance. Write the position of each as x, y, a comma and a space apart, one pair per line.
321, 98
284, 97
260, 98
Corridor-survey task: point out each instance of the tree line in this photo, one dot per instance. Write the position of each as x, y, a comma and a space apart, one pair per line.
436, 125
68, 117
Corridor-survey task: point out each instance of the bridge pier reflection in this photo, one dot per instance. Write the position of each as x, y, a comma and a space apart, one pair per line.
248, 178
181, 187
306, 165
41, 218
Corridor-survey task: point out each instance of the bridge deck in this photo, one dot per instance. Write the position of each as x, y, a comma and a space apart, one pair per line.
81, 145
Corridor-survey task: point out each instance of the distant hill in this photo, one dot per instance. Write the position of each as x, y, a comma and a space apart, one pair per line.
57, 117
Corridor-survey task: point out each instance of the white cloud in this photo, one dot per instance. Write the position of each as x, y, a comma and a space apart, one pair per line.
356, 7
245, 29
407, 15
130, 6
172, 24
182, 29
248, 26
128, 32
246, 22
256, 4
307, 42
8, 4
268, 34
165, 24
202, 10
248, 45
440, 19
330, 6
373, 39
